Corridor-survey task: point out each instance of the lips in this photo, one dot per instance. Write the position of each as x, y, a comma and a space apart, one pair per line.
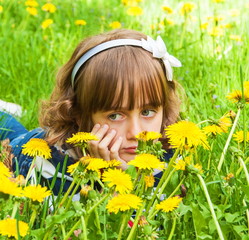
131, 150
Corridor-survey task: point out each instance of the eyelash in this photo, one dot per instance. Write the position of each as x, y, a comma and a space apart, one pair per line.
112, 114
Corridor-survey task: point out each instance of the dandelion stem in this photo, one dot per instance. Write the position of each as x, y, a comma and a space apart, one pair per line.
30, 170
228, 140
172, 228
160, 192
32, 218
15, 208
244, 168
83, 223
163, 178
247, 214
97, 204
71, 196
72, 229
134, 227
67, 193
124, 222
178, 186
241, 167
210, 206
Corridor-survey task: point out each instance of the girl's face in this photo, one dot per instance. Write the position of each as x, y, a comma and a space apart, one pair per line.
127, 124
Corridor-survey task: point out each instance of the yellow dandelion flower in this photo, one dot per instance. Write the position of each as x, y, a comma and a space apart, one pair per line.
130, 2
147, 136
32, 11
234, 12
8, 227
216, 32
204, 26
4, 171
218, 1
49, 7
115, 25
95, 164
80, 22
236, 96
216, 18
81, 138
71, 168
180, 165
239, 136
8, 187
229, 176
84, 190
36, 193
169, 21
113, 163
236, 38
187, 8
186, 134
220, 127
37, 147
149, 181
135, 11
225, 122
46, 23
124, 202
198, 167
167, 9
147, 161
228, 25
1, 8
119, 179
170, 204
188, 160
212, 130
31, 3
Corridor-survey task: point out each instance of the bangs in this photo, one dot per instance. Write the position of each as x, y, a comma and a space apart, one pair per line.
122, 77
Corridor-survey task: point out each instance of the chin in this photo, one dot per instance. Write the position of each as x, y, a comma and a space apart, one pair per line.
127, 157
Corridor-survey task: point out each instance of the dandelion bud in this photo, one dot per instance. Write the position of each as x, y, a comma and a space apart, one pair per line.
84, 190
142, 221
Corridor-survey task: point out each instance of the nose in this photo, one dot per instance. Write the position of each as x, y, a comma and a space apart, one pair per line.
134, 127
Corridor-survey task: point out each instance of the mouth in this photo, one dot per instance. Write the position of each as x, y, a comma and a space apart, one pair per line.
131, 150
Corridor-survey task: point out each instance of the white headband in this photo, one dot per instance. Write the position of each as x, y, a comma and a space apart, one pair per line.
156, 47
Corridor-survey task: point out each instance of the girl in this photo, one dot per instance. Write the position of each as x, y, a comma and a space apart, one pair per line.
115, 85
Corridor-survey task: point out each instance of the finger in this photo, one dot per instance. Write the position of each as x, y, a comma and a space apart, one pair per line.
103, 147
99, 132
95, 129
114, 153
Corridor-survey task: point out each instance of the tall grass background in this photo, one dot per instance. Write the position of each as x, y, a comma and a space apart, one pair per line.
212, 66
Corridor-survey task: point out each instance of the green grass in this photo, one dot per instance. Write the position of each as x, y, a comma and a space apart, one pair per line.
31, 56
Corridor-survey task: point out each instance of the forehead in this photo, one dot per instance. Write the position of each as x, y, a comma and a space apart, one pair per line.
126, 77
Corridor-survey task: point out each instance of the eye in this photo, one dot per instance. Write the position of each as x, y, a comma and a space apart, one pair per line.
148, 113
115, 116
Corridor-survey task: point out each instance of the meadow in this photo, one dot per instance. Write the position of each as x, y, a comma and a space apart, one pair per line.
211, 39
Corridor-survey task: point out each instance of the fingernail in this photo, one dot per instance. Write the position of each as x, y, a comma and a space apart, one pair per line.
97, 125
113, 131
105, 126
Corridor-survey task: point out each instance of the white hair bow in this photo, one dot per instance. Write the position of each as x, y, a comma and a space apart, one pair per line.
158, 49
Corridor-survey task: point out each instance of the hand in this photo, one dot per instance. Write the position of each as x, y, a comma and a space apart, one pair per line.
105, 148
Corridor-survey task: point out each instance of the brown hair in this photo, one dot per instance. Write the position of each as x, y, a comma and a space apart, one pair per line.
102, 82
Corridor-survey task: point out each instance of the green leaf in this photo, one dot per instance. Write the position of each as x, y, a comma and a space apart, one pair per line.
60, 218
231, 217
